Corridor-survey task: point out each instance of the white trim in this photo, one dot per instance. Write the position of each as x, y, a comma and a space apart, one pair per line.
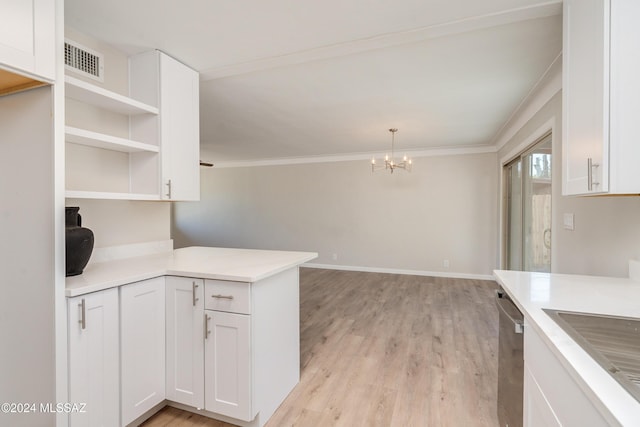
400, 271
352, 156
59, 327
545, 88
548, 126
550, 8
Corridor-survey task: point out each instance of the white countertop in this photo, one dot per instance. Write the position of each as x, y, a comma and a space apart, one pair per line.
603, 295
238, 265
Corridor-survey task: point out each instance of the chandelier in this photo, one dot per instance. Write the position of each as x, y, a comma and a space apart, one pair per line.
389, 162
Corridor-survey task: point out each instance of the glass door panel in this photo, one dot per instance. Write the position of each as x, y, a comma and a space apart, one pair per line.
528, 209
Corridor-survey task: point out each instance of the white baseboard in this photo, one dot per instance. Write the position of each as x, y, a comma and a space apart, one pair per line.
452, 275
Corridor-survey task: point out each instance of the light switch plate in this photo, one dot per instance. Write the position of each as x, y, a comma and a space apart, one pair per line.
568, 221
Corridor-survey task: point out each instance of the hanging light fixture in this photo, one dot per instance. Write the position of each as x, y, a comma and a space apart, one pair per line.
390, 163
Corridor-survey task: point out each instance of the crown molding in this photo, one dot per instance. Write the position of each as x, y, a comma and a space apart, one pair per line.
433, 152
480, 22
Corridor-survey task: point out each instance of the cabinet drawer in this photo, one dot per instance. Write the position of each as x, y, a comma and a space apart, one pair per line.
233, 297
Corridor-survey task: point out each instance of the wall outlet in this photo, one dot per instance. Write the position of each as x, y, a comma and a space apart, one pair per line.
334, 257
445, 263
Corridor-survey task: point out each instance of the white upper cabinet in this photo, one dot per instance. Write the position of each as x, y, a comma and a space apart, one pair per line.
27, 37
158, 79
624, 133
179, 130
601, 97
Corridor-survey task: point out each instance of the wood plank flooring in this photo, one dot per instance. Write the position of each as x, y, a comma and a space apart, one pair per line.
387, 350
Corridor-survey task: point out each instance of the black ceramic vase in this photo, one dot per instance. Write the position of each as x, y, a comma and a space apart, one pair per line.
79, 242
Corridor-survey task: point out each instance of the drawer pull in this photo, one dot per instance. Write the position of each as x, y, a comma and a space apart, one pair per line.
229, 297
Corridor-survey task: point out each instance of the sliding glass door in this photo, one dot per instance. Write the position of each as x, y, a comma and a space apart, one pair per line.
528, 209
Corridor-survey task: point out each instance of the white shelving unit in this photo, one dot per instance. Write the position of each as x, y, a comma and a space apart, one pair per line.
91, 170
107, 142
105, 99
74, 194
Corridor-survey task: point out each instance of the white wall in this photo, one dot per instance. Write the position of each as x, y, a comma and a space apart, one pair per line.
445, 209
607, 229
27, 258
121, 222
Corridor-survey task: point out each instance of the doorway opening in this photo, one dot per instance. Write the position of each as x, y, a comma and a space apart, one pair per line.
527, 193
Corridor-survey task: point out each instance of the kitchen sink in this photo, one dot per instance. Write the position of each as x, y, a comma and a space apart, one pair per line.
613, 342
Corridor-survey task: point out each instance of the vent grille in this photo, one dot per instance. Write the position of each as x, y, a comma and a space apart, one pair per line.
84, 61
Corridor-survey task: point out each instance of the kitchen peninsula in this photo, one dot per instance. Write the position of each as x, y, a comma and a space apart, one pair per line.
210, 330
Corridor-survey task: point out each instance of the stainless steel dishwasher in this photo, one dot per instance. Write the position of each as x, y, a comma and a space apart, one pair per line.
510, 361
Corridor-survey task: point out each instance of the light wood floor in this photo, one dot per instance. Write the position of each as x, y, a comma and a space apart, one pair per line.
387, 350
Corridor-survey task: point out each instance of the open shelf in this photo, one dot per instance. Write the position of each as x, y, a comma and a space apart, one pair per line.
108, 142
72, 194
102, 98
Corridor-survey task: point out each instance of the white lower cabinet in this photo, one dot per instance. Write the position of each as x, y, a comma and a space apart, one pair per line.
185, 340
228, 365
94, 355
230, 348
142, 351
537, 410
551, 395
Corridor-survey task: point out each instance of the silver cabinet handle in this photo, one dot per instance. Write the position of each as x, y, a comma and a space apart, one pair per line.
83, 312
168, 184
230, 297
590, 166
206, 326
193, 291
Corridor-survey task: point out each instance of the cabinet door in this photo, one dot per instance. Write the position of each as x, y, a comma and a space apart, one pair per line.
142, 337
552, 393
537, 411
27, 36
228, 365
185, 340
585, 142
624, 174
179, 131
94, 370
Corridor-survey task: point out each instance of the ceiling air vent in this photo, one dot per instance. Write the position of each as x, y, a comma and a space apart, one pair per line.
84, 61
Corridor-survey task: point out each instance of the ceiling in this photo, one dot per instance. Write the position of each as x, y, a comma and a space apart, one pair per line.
291, 78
